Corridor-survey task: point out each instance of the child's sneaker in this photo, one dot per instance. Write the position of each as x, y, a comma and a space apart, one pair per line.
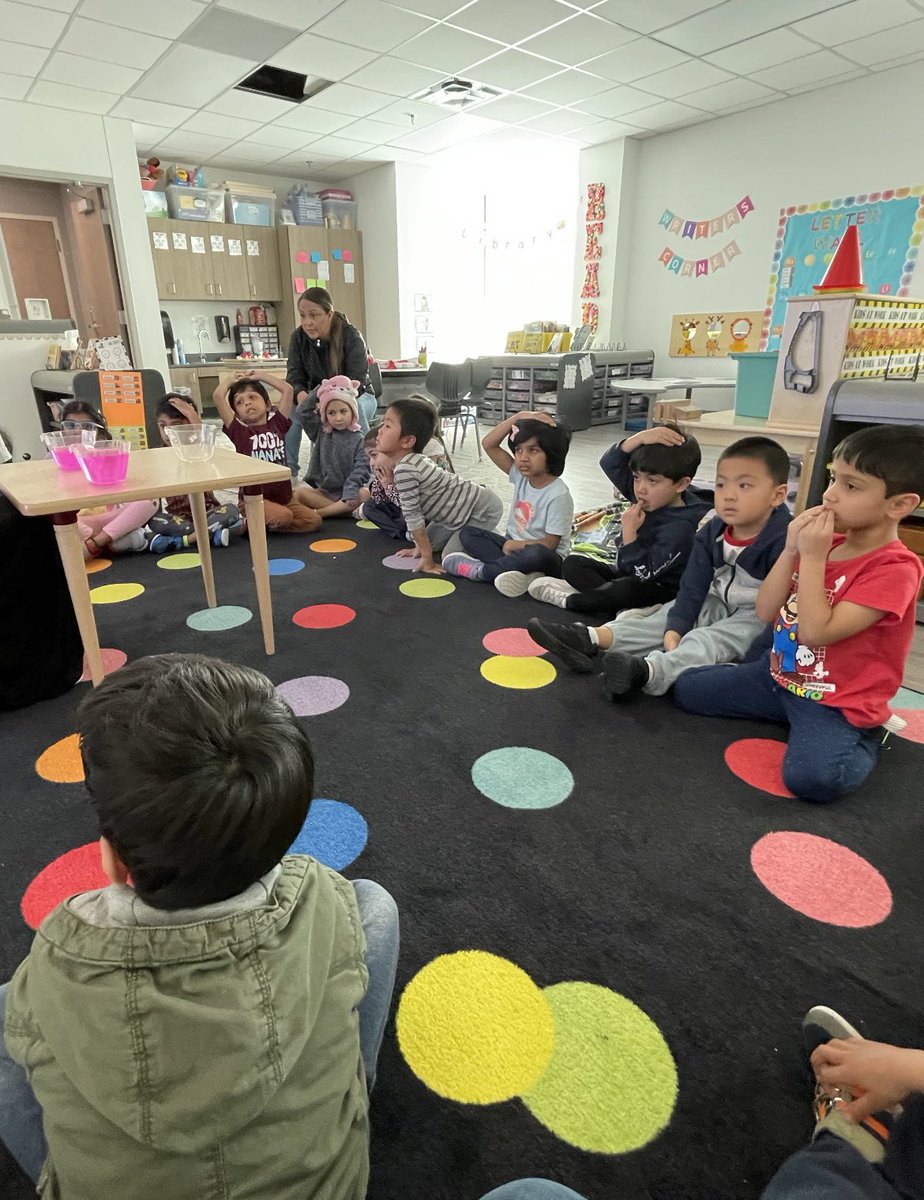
820, 1024
551, 591
623, 674
571, 643
160, 543
358, 513
463, 565
220, 537
515, 583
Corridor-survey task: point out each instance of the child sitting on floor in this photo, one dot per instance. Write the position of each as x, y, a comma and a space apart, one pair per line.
258, 430
339, 464
713, 618
842, 601
171, 528
653, 469
119, 528
539, 525
434, 503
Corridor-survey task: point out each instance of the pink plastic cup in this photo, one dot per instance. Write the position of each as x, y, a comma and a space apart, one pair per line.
104, 463
61, 446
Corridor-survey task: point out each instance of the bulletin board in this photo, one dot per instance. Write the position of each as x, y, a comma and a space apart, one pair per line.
807, 235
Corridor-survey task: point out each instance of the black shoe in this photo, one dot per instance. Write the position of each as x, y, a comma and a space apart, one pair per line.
623, 674
571, 643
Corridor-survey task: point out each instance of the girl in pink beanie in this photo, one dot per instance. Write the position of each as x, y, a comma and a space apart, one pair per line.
339, 464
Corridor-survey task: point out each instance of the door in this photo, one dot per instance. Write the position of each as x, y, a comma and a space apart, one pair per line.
34, 254
229, 265
262, 258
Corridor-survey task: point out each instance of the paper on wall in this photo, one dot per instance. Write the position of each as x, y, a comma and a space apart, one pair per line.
253, 248
298, 283
301, 256
160, 241
323, 269
349, 273
586, 367
197, 244
234, 247
570, 377
179, 241
218, 243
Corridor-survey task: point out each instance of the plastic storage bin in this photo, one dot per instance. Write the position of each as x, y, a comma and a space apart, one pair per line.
155, 204
306, 207
754, 387
195, 204
339, 214
242, 209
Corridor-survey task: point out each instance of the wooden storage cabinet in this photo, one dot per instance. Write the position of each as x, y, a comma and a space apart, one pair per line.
264, 280
211, 271
348, 298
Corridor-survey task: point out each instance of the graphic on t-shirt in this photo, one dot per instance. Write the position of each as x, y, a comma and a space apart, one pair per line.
522, 515
268, 446
800, 668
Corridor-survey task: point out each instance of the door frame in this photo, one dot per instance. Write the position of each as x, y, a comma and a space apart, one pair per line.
5, 265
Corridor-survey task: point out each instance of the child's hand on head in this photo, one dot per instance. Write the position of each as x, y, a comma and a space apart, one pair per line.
815, 536
186, 409
660, 435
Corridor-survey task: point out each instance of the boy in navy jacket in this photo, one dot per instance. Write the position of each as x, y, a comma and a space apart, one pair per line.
713, 620
653, 470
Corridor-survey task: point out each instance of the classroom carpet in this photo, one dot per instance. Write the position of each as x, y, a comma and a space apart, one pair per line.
612, 920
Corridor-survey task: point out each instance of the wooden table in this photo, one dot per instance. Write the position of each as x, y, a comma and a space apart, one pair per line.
40, 489
657, 387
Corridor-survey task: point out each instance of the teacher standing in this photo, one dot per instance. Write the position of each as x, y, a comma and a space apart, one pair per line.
324, 344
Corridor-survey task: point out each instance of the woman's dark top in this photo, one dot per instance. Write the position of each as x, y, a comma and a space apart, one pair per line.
309, 363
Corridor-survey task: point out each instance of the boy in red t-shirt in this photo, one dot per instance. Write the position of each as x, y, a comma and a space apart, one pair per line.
841, 600
258, 430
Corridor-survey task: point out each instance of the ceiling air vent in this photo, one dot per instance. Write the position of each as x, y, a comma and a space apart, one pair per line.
457, 94
282, 85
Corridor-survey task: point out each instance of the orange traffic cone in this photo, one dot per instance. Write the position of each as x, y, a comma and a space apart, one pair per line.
845, 271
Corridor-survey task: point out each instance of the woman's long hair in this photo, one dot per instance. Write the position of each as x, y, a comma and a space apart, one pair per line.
322, 298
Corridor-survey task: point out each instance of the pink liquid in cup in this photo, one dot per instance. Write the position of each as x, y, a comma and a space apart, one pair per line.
65, 458
105, 466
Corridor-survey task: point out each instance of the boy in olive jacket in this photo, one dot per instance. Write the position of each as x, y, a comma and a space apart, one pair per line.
195, 1029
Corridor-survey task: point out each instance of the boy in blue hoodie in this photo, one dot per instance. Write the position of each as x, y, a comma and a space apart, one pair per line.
653, 470
713, 619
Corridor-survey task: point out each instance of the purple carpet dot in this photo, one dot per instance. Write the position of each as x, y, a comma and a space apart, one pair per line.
401, 564
311, 695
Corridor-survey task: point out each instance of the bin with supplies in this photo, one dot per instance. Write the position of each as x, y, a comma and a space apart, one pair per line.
195, 204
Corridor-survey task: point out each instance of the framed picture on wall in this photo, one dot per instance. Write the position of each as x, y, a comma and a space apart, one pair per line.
423, 302
422, 323
37, 310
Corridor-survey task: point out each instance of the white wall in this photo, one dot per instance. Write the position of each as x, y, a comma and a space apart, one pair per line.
377, 217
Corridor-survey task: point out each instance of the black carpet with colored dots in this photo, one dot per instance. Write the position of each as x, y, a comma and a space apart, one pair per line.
652, 882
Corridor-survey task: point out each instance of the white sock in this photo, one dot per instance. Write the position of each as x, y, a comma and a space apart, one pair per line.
593, 635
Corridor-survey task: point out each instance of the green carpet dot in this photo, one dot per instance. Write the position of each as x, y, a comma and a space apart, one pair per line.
427, 589
364, 524
180, 562
611, 1084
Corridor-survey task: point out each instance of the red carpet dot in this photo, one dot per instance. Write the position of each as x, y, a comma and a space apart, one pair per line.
821, 879
112, 660
759, 762
78, 870
515, 643
914, 731
324, 616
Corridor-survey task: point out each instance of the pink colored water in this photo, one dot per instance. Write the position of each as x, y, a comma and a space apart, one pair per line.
106, 468
65, 458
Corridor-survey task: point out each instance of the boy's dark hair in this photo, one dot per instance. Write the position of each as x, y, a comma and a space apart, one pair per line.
371, 435
199, 773
166, 409
553, 439
673, 462
417, 418
765, 450
248, 385
892, 453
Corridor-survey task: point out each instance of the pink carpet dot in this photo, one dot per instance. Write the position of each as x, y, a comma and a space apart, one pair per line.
324, 616
78, 870
914, 730
112, 660
515, 643
759, 762
821, 879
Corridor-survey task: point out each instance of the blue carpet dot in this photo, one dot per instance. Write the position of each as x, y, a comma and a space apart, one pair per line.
518, 777
285, 566
906, 698
334, 833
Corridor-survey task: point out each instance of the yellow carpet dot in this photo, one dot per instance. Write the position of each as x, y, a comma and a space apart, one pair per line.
92, 565
113, 593
332, 546
61, 762
475, 1028
611, 1084
180, 562
521, 673
427, 589
364, 524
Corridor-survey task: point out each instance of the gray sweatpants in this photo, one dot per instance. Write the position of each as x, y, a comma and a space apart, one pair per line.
716, 638
488, 510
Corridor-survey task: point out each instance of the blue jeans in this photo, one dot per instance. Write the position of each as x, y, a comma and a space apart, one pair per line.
828, 1169
293, 441
488, 547
532, 1189
826, 757
21, 1114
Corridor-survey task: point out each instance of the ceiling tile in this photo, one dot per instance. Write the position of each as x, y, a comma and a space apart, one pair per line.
193, 75
297, 14
635, 60
110, 43
559, 120
456, 130
371, 24
31, 26
645, 16
859, 73
515, 108
438, 9
315, 55
606, 131
314, 159
512, 69
61, 95
511, 20
393, 76
688, 77
14, 87
220, 125
341, 98
63, 6
335, 145
152, 112
149, 136
856, 20
799, 71
412, 114
279, 139
78, 71
249, 106
400, 154
666, 114
315, 120
618, 102
758, 53
167, 18
582, 37
727, 95
202, 145
446, 49
368, 130
235, 33
570, 87
734, 21
253, 153
880, 47
27, 60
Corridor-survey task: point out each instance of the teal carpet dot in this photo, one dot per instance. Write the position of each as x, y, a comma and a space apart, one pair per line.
518, 777
226, 616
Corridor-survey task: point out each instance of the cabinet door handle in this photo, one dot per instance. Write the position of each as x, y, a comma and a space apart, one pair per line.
218, 285
173, 288
253, 291
211, 289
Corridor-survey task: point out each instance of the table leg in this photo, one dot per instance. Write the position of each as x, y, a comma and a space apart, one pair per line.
256, 531
200, 523
70, 547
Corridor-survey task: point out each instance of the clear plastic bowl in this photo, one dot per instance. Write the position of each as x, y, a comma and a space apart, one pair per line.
61, 446
192, 443
104, 463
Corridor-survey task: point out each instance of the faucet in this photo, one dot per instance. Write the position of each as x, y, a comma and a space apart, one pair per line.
202, 335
